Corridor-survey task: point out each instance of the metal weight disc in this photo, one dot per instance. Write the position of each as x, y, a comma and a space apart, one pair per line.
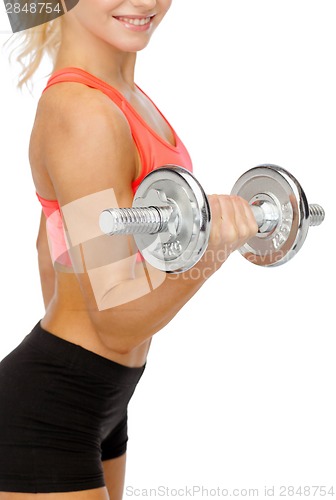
183, 245
275, 184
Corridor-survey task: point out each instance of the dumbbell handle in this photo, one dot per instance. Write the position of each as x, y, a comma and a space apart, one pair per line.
153, 220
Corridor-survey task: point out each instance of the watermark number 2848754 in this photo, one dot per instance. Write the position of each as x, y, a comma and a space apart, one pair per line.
23, 14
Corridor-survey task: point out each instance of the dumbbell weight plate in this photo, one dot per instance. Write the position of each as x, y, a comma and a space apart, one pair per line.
167, 251
275, 184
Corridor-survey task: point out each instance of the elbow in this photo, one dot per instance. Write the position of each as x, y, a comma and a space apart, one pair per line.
120, 340
117, 342
124, 349
119, 346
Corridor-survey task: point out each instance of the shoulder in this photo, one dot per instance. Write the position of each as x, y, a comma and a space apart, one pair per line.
75, 105
85, 140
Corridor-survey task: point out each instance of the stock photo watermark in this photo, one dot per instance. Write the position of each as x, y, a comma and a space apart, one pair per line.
197, 491
25, 14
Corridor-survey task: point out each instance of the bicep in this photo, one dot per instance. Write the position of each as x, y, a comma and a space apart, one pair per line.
88, 149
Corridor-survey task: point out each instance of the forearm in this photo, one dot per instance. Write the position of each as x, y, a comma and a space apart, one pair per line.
131, 323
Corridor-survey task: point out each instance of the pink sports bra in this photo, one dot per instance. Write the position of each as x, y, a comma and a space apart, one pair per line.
154, 152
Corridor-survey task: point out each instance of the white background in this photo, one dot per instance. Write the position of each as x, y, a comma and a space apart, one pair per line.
239, 389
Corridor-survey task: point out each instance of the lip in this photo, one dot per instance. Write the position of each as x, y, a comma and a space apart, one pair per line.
133, 27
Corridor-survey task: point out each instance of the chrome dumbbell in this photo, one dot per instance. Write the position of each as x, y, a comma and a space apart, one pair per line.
170, 217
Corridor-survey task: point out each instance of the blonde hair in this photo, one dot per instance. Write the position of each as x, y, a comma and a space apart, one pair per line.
34, 43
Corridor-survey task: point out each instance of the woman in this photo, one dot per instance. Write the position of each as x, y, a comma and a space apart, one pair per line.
64, 391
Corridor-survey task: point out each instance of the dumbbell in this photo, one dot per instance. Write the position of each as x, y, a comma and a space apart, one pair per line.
170, 218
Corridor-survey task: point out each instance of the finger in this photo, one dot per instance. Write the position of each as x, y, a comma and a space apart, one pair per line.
216, 219
243, 224
249, 217
229, 230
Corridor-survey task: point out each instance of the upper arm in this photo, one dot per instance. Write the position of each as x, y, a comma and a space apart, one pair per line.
90, 158
87, 146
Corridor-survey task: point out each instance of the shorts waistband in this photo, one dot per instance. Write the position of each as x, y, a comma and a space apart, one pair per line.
78, 356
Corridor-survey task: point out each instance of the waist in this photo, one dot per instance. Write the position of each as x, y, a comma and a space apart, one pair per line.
67, 317
73, 324
76, 356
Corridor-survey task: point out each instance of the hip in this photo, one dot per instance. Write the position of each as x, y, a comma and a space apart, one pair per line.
63, 410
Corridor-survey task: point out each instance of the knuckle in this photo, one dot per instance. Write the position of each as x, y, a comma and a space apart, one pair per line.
254, 227
244, 202
238, 200
244, 231
214, 204
215, 235
230, 233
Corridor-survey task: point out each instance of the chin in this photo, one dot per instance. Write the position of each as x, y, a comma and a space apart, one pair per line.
136, 46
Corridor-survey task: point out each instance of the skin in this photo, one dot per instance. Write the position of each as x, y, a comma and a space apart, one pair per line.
94, 40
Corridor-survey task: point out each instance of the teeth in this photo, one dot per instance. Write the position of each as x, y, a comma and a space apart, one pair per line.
136, 22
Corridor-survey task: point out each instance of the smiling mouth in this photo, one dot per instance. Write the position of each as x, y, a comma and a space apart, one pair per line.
135, 21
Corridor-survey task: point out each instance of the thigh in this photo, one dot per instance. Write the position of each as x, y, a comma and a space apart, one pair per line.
114, 473
96, 494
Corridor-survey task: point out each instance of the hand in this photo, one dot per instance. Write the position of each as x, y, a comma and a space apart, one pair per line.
232, 225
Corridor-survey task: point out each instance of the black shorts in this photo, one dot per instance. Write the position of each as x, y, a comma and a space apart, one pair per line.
63, 410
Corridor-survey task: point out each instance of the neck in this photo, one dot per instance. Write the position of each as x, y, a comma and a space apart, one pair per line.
97, 57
